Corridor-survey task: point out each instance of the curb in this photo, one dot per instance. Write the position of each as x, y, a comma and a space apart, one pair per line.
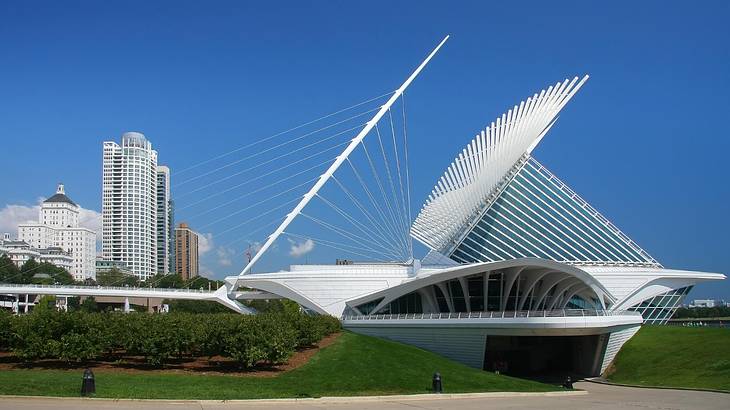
335, 399
599, 380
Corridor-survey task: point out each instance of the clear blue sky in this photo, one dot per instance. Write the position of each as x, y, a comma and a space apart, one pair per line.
645, 141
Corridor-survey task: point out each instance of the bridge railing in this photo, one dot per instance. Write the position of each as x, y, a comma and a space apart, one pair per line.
496, 314
122, 288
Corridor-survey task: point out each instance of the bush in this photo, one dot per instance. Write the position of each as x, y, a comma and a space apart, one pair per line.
6, 330
80, 336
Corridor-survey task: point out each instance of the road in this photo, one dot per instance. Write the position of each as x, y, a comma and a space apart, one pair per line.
599, 397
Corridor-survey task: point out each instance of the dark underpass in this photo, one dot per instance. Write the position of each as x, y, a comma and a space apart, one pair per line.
544, 357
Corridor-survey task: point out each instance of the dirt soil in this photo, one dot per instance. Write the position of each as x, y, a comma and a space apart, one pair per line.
197, 365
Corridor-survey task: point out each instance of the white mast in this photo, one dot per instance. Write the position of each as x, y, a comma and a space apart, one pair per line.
340, 159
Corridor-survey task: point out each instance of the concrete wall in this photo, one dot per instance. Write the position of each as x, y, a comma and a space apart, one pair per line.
462, 345
592, 354
615, 341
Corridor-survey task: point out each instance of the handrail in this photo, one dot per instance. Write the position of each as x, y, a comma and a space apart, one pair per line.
515, 314
124, 288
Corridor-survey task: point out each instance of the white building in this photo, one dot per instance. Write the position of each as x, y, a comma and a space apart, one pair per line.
165, 223
58, 227
706, 303
521, 269
129, 204
21, 252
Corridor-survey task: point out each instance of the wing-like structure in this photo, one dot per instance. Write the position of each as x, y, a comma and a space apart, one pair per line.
473, 179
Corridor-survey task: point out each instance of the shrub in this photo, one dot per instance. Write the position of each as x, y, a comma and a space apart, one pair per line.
6, 330
80, 336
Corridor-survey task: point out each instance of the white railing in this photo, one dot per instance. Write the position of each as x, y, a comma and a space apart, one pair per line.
497, 314
122, 288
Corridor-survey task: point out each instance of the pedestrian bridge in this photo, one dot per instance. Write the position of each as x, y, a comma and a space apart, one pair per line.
220, 295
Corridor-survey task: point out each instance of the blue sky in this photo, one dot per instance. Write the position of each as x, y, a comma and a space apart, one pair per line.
644, 141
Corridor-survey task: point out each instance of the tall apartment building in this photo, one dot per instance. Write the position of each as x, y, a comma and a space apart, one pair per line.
58, 227
165, 222
186, 252
129, 204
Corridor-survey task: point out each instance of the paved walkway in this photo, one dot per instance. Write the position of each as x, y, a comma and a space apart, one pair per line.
599, 397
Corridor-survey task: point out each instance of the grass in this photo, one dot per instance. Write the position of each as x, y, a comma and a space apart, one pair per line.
676, 357
353, 365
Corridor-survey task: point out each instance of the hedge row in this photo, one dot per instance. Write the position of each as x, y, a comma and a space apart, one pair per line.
79, 336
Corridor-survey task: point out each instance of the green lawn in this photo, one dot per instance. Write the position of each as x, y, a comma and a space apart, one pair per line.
353, 365
676, 357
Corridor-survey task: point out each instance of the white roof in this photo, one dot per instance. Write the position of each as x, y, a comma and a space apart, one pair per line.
477, 172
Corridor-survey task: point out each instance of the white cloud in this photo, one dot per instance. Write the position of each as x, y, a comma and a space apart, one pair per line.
256, 247
205, 243
12, 215
90, 219
206, 272
224, 256
301, 248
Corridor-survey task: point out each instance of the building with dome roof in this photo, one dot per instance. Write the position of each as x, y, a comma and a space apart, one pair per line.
58, 227
129, 204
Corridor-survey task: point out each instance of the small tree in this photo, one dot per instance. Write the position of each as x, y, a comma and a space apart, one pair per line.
115, 277
89, 305
29, 268
45, 304
172, 280
73, 303
8, 271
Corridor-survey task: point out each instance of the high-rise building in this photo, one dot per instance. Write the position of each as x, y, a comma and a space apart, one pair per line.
172, 236
186, 251
165, 224
58, 228
129, 204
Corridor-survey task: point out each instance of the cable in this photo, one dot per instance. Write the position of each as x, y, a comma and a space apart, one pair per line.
282, 133
285, 143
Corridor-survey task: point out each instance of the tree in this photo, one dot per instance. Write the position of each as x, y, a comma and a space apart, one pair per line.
195, 306
89, 305
115, 277
172, 280
29, 268
203, 282
73, 303
55, 275
8, 271
45, 304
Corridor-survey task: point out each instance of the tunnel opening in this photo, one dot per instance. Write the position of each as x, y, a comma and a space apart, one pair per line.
545, 358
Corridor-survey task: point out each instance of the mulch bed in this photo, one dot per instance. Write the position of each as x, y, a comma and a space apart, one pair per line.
189, 365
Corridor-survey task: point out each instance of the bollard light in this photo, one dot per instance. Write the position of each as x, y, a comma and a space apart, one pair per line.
436, 383
568, 383
88, 386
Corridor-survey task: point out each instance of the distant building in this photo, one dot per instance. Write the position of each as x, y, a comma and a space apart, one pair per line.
706, 303
129, 204
186, 252
21, 252
58, 234
165, 223
103, 266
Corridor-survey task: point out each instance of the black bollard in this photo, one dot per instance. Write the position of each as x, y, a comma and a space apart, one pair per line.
436, 383
88, 386
568, 383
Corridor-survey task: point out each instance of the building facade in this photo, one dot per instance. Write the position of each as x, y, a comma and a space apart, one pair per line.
520, 268
21, 252
58, 228
103, 266
186, 252
165, 222
129, 204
